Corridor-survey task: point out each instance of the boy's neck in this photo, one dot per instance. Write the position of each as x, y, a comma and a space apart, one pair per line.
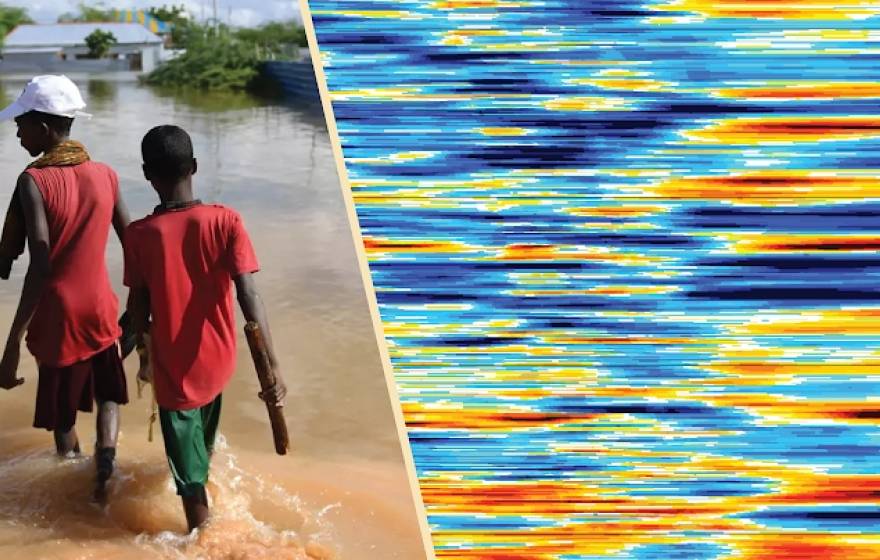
55, 142
180, 192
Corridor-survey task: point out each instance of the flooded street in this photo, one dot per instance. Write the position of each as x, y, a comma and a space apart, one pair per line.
343, 491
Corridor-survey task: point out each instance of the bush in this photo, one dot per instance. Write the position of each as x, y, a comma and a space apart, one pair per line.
220, 58
214, 59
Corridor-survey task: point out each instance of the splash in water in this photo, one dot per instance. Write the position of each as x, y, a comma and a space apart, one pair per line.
47, 499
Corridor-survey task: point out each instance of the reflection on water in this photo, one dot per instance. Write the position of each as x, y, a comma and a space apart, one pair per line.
100, 93
274, 165
210, 103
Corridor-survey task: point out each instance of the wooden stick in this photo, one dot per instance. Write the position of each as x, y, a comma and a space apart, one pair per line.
260, 354
154, 415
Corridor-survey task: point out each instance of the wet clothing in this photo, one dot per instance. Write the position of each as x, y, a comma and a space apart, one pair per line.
62, 391
189, 442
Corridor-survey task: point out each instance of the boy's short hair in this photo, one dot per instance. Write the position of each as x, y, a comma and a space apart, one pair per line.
57, 123
167, 152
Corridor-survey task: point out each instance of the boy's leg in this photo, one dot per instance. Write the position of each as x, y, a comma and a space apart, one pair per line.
107, 432
195, 507
107, 424
110, 391
186, 434
60, 392
66, 441
210, 421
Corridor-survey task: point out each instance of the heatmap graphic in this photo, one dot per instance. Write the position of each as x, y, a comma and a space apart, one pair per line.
626, 261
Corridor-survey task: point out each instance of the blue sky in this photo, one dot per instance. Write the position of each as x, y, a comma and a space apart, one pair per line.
240, 12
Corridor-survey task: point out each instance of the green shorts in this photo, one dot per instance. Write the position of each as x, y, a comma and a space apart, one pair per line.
189, 441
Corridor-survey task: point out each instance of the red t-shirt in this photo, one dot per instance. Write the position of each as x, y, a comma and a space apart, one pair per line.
186, 259
76, 316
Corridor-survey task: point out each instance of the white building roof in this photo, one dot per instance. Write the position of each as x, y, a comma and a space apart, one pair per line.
32, 50
74, 34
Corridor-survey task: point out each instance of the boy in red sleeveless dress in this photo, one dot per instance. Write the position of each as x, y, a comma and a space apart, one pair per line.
67, 309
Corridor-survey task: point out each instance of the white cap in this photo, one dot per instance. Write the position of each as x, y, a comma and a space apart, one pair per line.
55, 95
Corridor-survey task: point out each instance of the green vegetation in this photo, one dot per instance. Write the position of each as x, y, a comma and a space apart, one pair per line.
99, 43
88, 14
10, 18
221, 58
214, 59
273, 34
179, 19
170, 14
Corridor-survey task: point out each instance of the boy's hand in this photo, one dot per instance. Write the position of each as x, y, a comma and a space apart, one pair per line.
144, 377
145, 370
275, 394
9, 367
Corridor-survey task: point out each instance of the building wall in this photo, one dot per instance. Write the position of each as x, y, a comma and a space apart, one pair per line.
54, 63
150, 57
51, 64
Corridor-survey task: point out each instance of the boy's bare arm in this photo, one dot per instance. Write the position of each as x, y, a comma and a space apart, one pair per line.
138, 307
35, 281
121, 218
253, 310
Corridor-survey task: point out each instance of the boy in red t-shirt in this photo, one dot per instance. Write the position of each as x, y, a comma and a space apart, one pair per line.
181, 263
67, 308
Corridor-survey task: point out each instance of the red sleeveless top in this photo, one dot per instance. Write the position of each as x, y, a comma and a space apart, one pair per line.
77, 313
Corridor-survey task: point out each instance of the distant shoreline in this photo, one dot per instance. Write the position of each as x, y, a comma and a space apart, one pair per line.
106, 76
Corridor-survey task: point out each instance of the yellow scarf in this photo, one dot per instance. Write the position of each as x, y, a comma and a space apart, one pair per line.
69, 152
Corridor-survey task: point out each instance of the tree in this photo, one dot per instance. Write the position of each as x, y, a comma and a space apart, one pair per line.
99, 43
10, 18
97, 13
274, 34
178, 17
170, 14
